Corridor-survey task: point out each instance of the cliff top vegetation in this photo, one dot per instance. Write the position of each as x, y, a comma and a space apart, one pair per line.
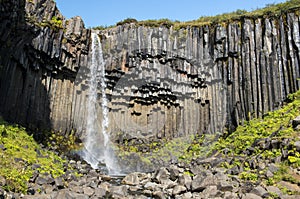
270, 10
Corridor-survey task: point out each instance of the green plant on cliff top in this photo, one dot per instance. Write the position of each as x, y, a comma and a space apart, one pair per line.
271, 10
19, 152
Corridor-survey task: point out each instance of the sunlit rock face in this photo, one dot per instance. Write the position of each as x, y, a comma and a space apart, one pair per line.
160, 82
169, 83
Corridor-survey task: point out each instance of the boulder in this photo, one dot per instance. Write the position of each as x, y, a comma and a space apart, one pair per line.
178, 189
66, 194
88, 191
251, 196
260, 191
185, 180
161, 175
296, 121
200, 182
119, 191
131, 179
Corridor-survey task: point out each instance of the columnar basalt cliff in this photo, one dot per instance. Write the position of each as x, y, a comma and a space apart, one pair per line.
161, 82
41, 53
200, 79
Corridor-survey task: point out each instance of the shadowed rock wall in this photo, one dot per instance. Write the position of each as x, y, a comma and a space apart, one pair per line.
40, 54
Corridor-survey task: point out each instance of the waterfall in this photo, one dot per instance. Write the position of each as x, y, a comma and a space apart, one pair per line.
97, 147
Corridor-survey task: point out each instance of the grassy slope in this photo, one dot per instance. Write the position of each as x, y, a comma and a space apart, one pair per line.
19, 152
275, 126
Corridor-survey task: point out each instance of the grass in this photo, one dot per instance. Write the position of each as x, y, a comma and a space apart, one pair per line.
276, 124
19, 153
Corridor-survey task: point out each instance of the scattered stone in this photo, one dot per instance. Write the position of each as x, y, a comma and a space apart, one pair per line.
251, 196
297, 145
260, 191
2, 181
225, 186
66, 194
88, 191
2, 147
187, 195
185, 180
290, 186
131, 179
59, 183
151, 186
119, 191
159, 194
200, 182
276, 190
178, 189
296, 122
161, 175
100, 192
174, 172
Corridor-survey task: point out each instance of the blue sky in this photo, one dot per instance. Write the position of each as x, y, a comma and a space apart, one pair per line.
109, 12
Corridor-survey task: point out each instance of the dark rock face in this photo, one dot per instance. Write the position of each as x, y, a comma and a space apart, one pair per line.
40, 55
161, 82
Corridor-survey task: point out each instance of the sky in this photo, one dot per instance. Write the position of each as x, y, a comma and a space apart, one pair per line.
109, 12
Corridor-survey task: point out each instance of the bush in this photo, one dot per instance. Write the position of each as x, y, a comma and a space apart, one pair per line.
128, 20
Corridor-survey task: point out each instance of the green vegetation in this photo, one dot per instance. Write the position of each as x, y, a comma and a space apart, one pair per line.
19, 153
242, 147
61, 142
274, 124
55, 23
271, 10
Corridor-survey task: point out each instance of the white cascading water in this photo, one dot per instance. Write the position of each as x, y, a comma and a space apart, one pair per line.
97, 148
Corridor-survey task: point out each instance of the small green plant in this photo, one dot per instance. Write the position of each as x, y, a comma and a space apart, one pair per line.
125, 21
56, 23
249, 176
